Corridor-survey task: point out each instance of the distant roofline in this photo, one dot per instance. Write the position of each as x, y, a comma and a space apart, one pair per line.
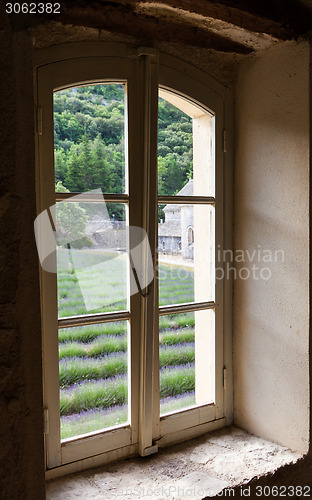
187, 190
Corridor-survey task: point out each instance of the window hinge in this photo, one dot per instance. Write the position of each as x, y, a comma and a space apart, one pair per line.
39, 121
46, 420
224, 141
150, 450
224, 377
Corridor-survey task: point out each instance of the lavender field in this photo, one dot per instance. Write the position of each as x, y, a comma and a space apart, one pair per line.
93, 360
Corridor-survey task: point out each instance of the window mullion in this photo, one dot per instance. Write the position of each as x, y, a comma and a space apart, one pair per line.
148, 382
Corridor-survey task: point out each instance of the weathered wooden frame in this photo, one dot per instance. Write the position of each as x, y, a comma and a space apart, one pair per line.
143, 69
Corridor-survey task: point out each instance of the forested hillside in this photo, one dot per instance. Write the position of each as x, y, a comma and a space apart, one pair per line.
89, 141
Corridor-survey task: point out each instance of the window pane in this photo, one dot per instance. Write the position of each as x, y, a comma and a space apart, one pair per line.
185, 148
186, 254
186, 360
92, 260
89, 138
93, 373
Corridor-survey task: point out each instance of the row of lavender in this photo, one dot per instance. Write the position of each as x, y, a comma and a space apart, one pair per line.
93, 364
93, 372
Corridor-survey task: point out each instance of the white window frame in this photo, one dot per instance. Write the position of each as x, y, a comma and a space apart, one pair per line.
145, 70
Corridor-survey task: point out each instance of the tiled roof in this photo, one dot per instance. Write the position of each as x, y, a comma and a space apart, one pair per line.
172, 207
170, 228
187, 190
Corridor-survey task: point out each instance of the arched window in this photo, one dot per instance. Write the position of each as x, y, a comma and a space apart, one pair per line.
190, 235
110, 391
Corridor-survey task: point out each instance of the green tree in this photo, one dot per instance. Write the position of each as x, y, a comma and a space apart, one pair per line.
89, 140
86, 163
71, 218
170, 175
74, 179
60, 164
67, 126
102, 167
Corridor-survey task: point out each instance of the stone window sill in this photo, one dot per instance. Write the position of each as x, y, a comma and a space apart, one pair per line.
201, 467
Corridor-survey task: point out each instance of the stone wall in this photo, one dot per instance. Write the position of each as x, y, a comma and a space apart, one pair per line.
21, 414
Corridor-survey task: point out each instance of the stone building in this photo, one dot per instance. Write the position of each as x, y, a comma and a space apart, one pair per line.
176, 234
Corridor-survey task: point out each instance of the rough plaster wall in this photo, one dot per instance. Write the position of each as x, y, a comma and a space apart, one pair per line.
220, 65
21, 450
271, 328
54, 33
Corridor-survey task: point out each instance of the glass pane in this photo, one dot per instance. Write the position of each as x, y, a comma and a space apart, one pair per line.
92, 264
89, 138
93, 373
186, 360
185, 148
186, 254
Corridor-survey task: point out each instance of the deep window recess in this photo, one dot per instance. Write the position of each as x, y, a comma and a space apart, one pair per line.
130, 368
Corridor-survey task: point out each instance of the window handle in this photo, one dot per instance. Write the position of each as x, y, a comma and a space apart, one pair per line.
149, 286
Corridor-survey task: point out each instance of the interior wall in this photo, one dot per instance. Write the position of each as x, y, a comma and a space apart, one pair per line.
21, 414
271, 309
222, 66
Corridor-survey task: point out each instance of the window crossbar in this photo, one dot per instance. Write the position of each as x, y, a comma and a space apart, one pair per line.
181, 308
92, 319
187, 200
95, 198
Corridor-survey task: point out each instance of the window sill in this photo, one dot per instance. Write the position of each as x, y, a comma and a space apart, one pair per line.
201, 467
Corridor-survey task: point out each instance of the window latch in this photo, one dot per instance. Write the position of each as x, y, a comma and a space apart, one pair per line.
149, 287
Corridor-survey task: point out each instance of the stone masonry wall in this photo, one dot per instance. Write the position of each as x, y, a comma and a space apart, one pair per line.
21, 428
